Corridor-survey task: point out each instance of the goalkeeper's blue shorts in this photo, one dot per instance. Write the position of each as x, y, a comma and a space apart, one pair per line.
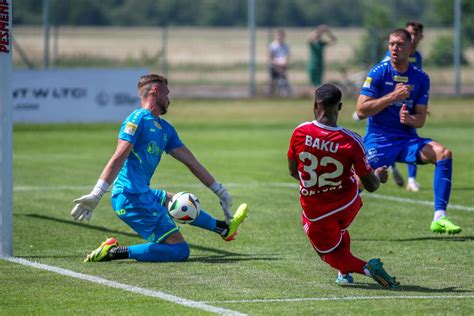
385, 149
145, 213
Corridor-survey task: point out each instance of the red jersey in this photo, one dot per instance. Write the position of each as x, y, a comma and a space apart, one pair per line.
327, 157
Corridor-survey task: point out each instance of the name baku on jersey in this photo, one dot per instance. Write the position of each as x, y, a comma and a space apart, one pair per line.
321, 145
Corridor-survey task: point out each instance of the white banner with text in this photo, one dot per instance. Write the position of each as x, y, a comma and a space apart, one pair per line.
74, 95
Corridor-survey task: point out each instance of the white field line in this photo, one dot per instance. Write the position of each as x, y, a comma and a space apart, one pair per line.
218, 310
205, 305
125, 287
346, 298
248, 185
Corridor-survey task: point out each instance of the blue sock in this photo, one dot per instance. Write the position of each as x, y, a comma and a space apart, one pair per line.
205, 221
442, 183
411, 170
153, 252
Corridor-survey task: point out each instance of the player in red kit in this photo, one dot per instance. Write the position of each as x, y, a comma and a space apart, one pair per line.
327, 159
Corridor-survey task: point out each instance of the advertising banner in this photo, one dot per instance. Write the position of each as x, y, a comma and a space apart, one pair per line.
74, 95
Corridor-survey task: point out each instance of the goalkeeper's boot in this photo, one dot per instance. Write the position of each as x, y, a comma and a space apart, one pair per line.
238, 218
103, 252
344, 279
397, 176
378, 273
444, 225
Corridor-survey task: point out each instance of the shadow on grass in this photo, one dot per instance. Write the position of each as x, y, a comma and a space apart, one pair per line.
230, 259
408, 288
128, 234
463, 189
436, 238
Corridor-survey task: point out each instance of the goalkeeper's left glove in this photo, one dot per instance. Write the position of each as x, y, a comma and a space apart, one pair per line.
87, 203
225, 199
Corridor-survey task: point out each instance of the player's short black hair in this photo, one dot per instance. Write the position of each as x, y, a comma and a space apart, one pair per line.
151, 78
401, 32
416, 25
328, 95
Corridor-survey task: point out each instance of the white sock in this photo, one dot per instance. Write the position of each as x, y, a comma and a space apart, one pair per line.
438, 214
411, 179
367, 272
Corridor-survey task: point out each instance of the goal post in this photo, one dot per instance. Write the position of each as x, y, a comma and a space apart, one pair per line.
6, 130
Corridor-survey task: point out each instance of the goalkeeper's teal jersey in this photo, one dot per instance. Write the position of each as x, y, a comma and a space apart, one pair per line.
150, 137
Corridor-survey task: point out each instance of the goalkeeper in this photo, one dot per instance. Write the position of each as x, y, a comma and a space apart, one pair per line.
143, 138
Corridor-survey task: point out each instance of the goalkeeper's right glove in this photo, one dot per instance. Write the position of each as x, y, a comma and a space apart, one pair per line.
87, 203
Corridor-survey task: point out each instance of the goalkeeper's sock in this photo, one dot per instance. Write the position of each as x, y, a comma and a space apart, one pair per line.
153, 252
205, 221
118, 253
222, 228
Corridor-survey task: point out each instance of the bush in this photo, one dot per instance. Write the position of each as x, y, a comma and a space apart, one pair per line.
442, 52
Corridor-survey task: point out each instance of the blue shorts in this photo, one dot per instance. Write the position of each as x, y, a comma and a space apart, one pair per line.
145, 213
384, 150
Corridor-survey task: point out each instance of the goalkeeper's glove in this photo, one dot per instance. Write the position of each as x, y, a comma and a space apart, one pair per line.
225, 199
87, 203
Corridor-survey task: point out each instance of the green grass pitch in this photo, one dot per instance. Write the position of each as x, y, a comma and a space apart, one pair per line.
270, 269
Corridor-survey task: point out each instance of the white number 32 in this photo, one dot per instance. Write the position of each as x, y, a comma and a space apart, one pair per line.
323, 179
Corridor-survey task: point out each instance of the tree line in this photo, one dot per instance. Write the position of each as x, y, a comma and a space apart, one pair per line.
294, 13
376, 16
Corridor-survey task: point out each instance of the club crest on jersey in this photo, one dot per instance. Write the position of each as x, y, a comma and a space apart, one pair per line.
157, 125
400, 79
130, 128
367, 82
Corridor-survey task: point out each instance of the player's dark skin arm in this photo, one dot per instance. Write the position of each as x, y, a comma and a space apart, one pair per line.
371, 181
293, 168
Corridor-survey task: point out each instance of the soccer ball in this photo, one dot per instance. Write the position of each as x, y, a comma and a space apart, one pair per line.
184, 207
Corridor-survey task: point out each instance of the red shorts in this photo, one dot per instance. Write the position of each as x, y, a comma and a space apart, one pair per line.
326, 234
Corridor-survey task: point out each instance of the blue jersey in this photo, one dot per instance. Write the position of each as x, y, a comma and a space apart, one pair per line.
381, 81
150, 137
415, 59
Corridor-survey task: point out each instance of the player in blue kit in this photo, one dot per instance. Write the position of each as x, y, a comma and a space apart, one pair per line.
416, 31
144, 136
394, 98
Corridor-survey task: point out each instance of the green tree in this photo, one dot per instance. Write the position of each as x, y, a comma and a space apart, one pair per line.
378, 23
444, 10
442, 52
